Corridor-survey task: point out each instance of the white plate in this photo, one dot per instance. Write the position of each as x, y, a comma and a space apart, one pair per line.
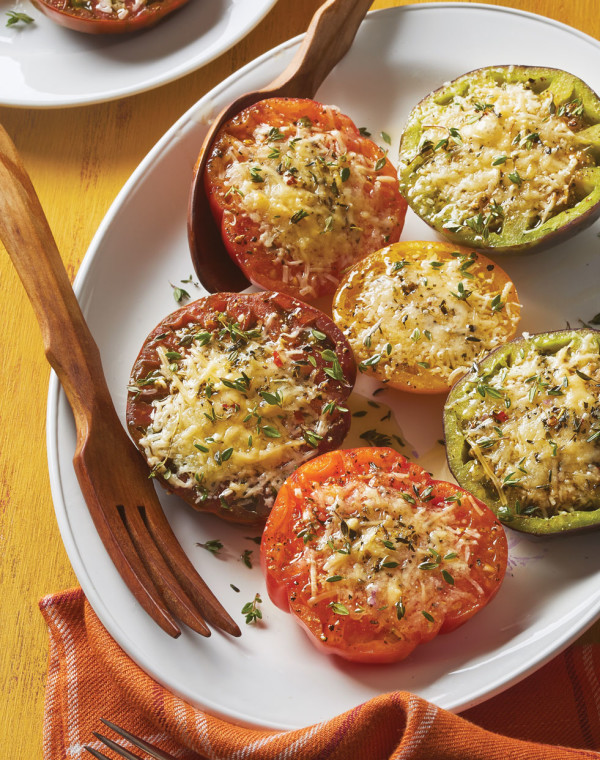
273, 676
43, 65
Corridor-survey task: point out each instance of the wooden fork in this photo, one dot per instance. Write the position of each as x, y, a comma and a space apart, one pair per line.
111, 472
150, 749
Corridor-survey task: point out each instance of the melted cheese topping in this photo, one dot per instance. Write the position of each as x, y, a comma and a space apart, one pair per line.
499, 152
239, 416
382, 540
427, 315
316, 202
119, 8
534, 428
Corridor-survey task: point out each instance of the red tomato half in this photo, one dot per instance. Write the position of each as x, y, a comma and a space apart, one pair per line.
104, 17
232, 392
374, 557
301, 194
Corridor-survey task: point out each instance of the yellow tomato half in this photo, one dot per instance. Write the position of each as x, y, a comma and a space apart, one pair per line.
418, 314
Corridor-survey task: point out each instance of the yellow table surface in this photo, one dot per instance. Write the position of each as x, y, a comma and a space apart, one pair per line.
78, 170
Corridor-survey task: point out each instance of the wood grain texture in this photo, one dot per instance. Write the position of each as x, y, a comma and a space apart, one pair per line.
78, 160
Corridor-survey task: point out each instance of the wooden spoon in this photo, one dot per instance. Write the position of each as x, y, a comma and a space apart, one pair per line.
328, 38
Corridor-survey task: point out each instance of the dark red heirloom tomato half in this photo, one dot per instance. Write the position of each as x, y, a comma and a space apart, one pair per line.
301, 194
374, 557
231, 393
107, 16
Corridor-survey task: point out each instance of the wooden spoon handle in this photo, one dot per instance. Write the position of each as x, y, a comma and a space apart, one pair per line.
25, 232
327, 40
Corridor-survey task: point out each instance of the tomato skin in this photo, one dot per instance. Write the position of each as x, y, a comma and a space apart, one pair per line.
96, 22
380, 635
242, 234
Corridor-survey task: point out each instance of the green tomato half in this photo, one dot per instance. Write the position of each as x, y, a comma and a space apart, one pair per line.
505, 158
522, 432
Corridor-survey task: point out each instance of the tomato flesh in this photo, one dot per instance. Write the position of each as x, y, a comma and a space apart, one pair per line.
373, 556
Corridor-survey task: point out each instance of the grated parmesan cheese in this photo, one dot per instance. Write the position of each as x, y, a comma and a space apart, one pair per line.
392, 545
119, 8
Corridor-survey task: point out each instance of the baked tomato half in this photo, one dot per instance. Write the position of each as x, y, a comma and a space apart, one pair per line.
418, 314
300, 194
522, 432
505, 157
231, 393
107, 16
373, 556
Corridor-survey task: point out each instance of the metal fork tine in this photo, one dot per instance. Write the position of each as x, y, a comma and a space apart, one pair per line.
153, 751
95, 753
123, 751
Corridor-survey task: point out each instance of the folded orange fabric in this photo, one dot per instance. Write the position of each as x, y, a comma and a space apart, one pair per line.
89, 677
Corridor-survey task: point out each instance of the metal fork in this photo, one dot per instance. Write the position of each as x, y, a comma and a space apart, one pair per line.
111, 472
150, 749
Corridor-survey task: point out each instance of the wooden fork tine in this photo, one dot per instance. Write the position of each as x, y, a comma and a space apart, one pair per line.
153, 751
167, 583
203, 598
124, 555
134, 545
187, 596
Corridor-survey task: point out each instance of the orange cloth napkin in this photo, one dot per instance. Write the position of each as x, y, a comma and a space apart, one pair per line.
89, 677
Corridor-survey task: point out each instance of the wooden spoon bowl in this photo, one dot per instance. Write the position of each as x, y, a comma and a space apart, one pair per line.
328, 38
